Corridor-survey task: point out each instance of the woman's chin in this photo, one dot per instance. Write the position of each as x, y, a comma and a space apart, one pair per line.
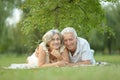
56, 48
70, 48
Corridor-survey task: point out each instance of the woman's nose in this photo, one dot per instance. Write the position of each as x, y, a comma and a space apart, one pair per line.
56, 41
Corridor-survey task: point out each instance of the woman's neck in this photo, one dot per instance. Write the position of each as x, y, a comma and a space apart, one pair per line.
50, 50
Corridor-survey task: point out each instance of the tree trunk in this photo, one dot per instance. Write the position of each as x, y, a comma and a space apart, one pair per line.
109, 43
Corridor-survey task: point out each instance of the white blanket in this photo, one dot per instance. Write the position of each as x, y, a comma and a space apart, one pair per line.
21, 66
32, 62
30, 66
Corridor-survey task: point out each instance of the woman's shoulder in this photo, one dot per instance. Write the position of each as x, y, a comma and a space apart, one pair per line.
43, 46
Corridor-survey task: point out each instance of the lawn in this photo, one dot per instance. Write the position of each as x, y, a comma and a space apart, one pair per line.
107, 72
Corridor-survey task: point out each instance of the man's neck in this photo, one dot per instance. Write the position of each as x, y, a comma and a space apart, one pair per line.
73, 50
72, 53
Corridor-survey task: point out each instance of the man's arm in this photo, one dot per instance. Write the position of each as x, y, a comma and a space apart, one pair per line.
85, 62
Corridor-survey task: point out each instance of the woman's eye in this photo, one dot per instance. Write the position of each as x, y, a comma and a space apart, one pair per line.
56, 39
53, 39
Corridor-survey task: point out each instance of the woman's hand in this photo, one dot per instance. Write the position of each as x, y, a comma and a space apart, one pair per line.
61, 63
57, 54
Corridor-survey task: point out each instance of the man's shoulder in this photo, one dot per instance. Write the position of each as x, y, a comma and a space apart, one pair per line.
82, 39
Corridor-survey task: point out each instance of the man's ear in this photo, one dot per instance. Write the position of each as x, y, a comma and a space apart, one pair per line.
76, 38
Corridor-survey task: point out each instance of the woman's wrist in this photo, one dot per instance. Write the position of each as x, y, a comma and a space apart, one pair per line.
59, 58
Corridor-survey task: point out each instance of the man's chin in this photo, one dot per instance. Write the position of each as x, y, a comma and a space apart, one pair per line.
70, 48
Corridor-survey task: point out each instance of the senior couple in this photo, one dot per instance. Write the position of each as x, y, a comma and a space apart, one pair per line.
62, 49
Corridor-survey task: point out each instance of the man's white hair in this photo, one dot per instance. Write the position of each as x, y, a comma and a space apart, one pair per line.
69, 30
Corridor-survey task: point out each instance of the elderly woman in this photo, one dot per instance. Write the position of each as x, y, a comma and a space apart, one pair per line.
50, 52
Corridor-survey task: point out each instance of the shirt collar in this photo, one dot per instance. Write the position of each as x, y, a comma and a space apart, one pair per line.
77, 48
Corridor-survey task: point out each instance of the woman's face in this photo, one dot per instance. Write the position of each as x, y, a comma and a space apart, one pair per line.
55, 42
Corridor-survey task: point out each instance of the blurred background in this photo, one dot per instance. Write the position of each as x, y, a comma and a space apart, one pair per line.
23, 23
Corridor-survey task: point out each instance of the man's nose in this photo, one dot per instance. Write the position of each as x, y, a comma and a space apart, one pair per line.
68, 42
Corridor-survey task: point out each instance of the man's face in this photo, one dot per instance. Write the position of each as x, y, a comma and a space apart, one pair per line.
70, 41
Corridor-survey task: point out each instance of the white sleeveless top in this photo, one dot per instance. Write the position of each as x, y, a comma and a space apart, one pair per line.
33, 58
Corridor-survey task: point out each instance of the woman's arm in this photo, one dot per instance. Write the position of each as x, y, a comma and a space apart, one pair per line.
65, 55
86, 62
61, 56
41, 56
57, 54
55, 64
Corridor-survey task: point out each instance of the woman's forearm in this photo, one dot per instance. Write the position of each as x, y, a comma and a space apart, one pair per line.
56, 64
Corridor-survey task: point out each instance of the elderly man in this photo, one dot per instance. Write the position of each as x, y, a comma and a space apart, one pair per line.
79, 48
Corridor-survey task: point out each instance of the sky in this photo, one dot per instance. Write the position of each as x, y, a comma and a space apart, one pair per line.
14, 18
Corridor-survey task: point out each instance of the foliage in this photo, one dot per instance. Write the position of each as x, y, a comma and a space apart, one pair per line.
113, 21
86, 16
43, 15
109, 40
4, 38
9, 34
113, 1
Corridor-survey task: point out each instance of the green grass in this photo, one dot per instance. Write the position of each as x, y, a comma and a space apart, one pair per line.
108, 72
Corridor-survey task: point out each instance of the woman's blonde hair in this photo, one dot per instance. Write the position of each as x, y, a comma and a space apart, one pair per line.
48, 35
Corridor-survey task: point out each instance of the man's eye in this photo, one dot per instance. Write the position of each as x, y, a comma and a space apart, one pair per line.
65, 40
70, 39
58, 39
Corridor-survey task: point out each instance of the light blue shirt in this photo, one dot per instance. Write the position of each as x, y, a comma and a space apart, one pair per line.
83, 52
